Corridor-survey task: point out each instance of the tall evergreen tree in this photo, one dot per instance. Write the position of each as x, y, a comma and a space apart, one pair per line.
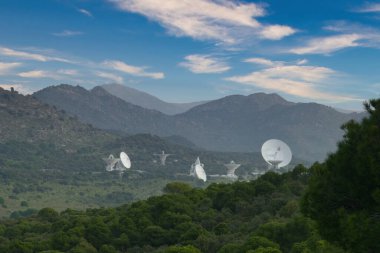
344, 192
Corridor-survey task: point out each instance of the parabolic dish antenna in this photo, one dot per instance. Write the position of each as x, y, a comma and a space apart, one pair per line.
200, 172
276, 153
124, 158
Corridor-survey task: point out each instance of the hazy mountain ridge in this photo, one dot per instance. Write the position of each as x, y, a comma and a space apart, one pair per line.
148, 101
105, 111
24, 118
233, 123
242, 123
49, 158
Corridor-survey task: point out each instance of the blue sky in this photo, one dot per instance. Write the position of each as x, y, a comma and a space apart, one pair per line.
189, 50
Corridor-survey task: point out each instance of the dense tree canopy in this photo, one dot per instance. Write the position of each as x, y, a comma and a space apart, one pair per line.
344, 191
259, 216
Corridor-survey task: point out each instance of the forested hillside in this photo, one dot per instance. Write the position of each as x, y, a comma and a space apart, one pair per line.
257, 216
344, 192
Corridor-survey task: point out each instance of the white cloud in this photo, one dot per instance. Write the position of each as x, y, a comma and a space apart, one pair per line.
269, 63
277, 32
67, 33
29, 56
220, 20
264, 62
18, 87
197, 63
302, 73
326, 45
132, 70
348, 35
59, 74
37, 74
110, 76
301, 81
5, 67
369, 36
85, 12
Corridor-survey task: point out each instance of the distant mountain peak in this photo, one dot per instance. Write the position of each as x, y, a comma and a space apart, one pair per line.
254, 102
25, 118
104, 110
146, 100
66, 88
99, 91
266, 100
271, 96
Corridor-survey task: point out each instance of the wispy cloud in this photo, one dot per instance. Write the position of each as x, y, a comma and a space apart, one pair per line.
228, 22
59, 74
38, 74
85, 12
264, 62
326, 45
5, 67
110, 76
30, 56
67, 33
132, 70
347, 35
301, 81
202, 64
23, 89
69, 74
368, 8
269, 63
302, 62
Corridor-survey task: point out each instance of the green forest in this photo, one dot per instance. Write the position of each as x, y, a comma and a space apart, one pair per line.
331, 207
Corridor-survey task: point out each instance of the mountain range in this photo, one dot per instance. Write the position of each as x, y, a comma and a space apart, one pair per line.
36, 136
234, 123
49, 157
148, 101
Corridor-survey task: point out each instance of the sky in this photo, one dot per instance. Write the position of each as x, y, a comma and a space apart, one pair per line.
190, 50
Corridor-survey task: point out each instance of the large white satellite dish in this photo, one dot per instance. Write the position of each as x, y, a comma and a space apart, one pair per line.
200, 172
125, 160
276, 153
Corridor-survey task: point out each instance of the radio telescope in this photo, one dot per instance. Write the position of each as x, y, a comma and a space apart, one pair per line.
119, 164
276, 153
197, 170
163, 157
231, 168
